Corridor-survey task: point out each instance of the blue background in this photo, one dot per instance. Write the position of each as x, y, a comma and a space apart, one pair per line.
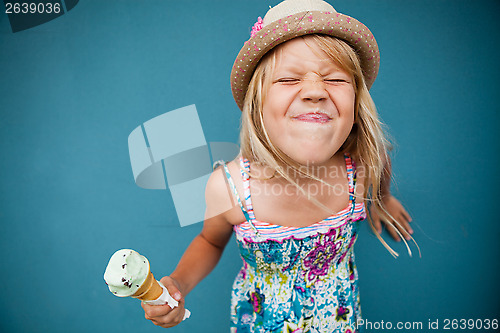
72, 90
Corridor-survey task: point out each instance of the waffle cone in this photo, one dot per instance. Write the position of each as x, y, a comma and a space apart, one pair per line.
150, 290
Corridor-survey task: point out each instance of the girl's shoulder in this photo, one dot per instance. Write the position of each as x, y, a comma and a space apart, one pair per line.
219, 196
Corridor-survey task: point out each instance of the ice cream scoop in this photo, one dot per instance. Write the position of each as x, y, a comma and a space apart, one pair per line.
126, 272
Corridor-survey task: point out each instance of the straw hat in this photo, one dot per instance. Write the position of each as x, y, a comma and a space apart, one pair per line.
294, 18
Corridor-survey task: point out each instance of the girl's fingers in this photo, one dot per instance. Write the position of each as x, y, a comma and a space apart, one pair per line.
392, 231
155, 311
405, 221
403, 227
408, 228
376, 221
377, 225
172, 319
172, 288
393, 228
404, 231
163, 315
405, 214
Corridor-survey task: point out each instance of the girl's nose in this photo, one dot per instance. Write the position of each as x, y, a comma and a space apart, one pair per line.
313, 91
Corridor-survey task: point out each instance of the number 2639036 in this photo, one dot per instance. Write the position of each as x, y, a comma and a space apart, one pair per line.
469, 324
32, 8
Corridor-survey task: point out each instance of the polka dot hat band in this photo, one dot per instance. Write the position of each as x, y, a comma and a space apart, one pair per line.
294, 18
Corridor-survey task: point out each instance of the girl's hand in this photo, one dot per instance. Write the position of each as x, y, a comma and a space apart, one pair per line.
163, 315
396, 209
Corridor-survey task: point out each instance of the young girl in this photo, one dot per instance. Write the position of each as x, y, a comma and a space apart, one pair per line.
312, 155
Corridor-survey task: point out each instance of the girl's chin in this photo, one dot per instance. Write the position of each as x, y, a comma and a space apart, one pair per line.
312, 160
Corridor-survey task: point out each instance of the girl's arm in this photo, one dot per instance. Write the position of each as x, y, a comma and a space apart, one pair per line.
393, 207
201, 256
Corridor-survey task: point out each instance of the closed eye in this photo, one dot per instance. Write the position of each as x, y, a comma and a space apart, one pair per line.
336, 80
288, 80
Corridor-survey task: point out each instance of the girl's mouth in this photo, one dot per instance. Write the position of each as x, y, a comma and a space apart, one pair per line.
313, 117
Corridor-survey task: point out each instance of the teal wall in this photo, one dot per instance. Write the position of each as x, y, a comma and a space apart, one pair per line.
72, 89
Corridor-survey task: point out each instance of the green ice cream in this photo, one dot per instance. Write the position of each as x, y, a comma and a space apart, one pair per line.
125, 273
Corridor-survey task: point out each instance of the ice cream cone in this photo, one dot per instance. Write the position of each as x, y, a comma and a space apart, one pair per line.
128, 274
150, 290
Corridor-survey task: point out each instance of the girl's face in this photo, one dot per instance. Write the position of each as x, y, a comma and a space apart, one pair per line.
308, 111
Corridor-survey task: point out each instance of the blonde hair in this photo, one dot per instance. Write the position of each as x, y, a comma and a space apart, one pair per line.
366, 142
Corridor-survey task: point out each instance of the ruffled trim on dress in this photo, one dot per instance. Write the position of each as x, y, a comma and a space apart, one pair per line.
279, 233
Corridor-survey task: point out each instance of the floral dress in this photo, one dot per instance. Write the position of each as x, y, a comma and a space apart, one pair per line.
297, 279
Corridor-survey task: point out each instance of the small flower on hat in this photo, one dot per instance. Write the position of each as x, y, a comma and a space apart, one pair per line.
257, 26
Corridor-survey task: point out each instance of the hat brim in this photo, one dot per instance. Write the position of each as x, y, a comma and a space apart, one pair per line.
333, 24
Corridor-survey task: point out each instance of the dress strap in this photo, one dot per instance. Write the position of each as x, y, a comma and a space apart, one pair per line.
245, 175
235, 192
351, 176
